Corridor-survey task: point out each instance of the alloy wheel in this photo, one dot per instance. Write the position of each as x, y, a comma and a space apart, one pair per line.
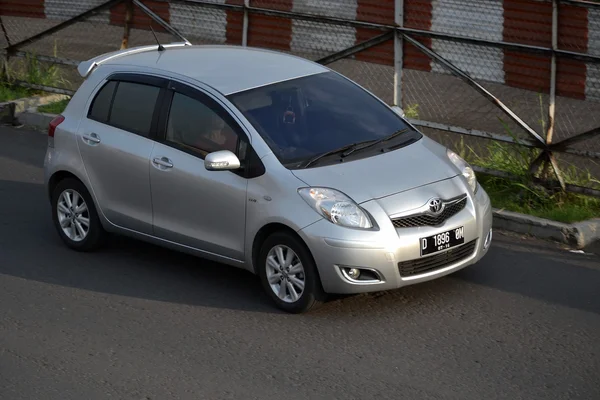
285, 273
73, 215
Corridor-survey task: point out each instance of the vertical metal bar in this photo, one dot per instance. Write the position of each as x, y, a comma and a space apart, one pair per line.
552, 105
245, 24
4, 74
127, 27
398, 52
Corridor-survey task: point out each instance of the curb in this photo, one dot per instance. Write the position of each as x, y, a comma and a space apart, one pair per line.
24, 111
578, 235
35, 120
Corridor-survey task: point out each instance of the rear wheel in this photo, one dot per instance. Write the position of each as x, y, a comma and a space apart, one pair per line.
289, 274
75, 216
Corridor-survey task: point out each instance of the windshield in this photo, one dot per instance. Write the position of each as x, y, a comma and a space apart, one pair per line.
309, 116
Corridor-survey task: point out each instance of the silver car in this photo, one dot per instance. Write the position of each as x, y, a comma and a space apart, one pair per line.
263, 161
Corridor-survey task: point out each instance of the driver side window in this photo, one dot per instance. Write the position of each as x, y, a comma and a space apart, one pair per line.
198, 127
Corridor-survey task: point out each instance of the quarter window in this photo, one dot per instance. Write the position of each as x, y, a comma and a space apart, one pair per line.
126, 105
101, 105
196, 126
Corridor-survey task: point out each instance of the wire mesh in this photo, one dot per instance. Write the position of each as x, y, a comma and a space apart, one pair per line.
430, 92
482, 20
18, 28
444, 98
376, 78
314, 40
206, 25
578, 89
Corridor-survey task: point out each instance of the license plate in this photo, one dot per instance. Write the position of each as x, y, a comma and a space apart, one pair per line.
442, 241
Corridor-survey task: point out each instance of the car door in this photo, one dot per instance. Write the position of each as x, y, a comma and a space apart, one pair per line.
115, 141
192, 206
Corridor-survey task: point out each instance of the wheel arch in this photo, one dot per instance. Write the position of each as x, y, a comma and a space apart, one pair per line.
61, 175
267, 230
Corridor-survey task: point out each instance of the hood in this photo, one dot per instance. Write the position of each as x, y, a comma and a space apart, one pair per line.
378, 176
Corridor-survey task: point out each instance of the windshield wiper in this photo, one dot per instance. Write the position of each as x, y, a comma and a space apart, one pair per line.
352, 147
331, 152
376, 142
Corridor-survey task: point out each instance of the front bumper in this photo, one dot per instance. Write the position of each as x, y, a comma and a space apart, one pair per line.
334, 247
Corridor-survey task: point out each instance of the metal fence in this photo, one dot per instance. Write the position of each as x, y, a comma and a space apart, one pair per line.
521, 72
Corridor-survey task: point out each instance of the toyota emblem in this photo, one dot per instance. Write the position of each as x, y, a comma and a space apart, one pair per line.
435, 205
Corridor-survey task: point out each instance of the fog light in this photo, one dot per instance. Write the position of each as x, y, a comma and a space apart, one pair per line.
488, 240
362, 275
353, 273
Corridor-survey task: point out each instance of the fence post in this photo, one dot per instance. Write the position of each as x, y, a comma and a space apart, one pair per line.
127, 27
245, 24
552, 101
398, 52
4, 66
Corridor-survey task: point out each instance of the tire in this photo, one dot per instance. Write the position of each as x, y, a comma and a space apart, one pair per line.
311, 296
95, 234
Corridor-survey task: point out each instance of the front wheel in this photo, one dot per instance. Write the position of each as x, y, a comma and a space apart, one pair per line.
289, 274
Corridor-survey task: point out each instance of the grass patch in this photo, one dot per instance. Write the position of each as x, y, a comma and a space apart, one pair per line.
54, 108
562, 207
30, 70
8, 93
521, 195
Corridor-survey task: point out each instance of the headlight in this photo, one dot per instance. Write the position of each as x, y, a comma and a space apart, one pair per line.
336, 207
464, 168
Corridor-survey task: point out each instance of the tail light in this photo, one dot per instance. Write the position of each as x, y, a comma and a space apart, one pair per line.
53, 124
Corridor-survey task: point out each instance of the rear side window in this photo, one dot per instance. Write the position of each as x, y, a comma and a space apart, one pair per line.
101, 105
126, 105
133, 107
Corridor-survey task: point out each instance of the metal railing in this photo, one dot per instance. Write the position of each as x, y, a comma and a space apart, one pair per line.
486, 70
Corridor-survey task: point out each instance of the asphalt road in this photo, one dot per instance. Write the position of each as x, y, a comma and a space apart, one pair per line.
135, 321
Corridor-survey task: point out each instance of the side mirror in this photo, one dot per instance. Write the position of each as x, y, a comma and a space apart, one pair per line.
222, 160
399, 111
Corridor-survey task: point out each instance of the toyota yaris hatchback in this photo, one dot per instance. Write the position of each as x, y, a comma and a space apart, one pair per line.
263, 161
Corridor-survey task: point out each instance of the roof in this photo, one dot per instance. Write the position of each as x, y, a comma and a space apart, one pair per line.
228, 69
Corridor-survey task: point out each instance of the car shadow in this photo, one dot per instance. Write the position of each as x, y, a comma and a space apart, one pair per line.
31, 249
539, 270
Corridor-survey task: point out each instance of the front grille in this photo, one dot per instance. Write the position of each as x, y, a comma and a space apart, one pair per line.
431, 263
428, 219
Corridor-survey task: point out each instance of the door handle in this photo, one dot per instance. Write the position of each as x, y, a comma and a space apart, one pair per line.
163, 162
92, 138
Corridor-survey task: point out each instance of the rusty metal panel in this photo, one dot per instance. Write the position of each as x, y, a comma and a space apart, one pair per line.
140, 19
572, 36
268, 31
417, 15
381, 12
22, 8
235, 24
527, 22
